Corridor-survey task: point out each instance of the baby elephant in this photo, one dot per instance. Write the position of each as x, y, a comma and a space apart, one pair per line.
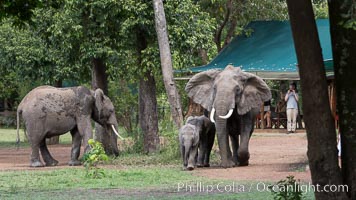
198, 132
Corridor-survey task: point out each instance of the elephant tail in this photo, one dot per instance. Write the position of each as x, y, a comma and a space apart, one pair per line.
19, 111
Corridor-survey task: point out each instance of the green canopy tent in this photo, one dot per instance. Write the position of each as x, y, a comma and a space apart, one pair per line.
268, 51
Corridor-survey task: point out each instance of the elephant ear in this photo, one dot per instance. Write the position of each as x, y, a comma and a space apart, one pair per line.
99, 99
254, 93
200, 88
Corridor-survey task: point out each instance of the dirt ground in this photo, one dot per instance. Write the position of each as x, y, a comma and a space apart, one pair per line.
273, 156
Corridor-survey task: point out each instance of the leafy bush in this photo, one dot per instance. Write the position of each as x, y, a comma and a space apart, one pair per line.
92, 158
287, 189
170, 146
8, 121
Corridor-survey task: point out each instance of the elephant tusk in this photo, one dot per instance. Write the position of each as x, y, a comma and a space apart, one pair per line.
212, 115
228, 114
113, 128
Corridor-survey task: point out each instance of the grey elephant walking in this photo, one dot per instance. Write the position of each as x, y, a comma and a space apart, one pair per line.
196, 139
233, 98
48, 111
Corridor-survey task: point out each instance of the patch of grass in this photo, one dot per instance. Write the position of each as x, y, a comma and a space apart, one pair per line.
159, 182
8, 138
141, 160
70, 178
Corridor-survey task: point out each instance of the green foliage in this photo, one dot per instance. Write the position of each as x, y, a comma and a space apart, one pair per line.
170, 152
8, 121
233, 16
287, 189
348, 24
21, 9
19, 51
321, 10
124, 96
91, 159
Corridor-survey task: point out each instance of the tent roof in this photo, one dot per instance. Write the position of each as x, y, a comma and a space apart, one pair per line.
269, 51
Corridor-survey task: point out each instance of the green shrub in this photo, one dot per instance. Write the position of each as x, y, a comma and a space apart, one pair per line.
92, 158
8, 121
287, 189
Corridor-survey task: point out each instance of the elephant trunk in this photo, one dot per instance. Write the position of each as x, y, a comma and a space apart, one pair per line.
107, 134
223, 139
224, 104
187, 147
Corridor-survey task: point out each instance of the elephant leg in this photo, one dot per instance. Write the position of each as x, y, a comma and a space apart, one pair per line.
233, 132
35, 154
75, 152
185, 161
47, 157
210, 143
202, 152
246, 132
191, 160
85, 130
196, 157
235, 146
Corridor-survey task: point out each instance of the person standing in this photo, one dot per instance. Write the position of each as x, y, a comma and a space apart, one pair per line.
292, 107
267, 113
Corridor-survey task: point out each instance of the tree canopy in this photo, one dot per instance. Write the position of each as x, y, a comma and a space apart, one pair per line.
58, 39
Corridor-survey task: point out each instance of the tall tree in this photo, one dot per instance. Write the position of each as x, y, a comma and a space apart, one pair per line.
166, 63
99, 76
148, 117
232, 15
322, 152
20, 9
188, 29
343, 36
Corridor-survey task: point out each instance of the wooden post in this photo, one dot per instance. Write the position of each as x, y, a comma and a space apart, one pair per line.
262, 116
6, 105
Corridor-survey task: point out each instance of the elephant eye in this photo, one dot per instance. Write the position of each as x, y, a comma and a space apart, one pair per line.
238, 89
214, 88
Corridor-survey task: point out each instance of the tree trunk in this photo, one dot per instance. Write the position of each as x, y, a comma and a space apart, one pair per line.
99, 75
148, 113
99, 79
166, 63
230, 32
218, 33
203, 54
344, 53
54, 139
322, 152
148, 117
6, 104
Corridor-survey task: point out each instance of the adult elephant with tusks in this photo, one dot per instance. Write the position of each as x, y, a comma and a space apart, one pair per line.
233, 98
48, 111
